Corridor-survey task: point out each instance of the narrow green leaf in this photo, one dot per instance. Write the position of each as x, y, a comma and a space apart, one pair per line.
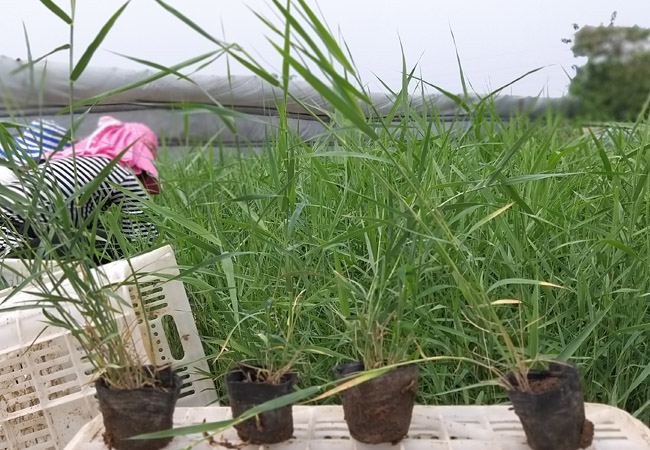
603, 155
619, 245
535, 177
326, 37
58, 11
489, 217
460, 66
640, 378
99, 97
509, 154
156, 66
510, 281
350, 110
37, 60
295, 216
342, 153
573, 346
340, 82
94, 45
505, 86
251, 197
186, 20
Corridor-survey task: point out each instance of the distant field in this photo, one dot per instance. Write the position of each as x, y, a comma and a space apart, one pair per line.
327, 230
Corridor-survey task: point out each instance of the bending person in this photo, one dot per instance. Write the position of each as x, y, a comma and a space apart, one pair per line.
72, 185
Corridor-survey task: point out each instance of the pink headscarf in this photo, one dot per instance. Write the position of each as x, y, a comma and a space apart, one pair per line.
112, 137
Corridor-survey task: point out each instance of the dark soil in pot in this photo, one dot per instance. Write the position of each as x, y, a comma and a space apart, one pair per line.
379, 410
130, 412
246, 389
552, 412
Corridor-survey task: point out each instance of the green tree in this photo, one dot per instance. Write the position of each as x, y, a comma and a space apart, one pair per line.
615, 82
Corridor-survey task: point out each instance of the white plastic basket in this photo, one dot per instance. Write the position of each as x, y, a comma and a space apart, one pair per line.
46, 392
432, 428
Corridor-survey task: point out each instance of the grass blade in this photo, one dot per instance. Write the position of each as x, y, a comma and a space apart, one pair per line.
57, 11
37, 60
573, 346
94, 45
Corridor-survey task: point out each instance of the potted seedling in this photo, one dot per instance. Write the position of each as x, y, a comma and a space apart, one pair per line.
135, 395
378, 410
264, 373
550, 406
252, 385
546, 395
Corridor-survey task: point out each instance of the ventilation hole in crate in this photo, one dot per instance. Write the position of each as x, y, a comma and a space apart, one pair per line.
506, 425
16, 385
20, 399
146, 292
424, 436
151, 295
157, 306
86, 364
28, 425
184, 376
70, 389
334, 430
512, 427
173, 338
186, 393
55, 367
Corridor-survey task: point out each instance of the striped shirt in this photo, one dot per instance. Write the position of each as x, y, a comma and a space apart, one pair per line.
38, 138
40, 194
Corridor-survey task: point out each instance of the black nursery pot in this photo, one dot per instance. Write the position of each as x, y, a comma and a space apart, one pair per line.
379, 410
269, 427
130, 412
552, 413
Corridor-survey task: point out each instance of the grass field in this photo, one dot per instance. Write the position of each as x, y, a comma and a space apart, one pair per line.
391, 240
331, 235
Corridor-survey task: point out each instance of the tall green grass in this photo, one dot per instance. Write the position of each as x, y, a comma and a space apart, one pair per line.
451, 238
577, 218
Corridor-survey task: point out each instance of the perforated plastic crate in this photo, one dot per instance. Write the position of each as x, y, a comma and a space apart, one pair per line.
46, 392
432, 428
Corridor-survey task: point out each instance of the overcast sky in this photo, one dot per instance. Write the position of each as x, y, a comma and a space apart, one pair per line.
497, 40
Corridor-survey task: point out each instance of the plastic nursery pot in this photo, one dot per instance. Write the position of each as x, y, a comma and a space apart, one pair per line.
552, 412
246, 391
130, 412
379, 410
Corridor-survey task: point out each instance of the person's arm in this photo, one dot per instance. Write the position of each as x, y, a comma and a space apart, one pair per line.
10, 241
13, 230
133, 224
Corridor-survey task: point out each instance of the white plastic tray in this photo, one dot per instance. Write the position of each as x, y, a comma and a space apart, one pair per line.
46, 392
432, 428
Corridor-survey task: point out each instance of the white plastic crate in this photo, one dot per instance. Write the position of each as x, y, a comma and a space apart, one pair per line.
432, 428
46, 392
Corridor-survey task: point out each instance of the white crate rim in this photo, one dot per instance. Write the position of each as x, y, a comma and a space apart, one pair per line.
432, 428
